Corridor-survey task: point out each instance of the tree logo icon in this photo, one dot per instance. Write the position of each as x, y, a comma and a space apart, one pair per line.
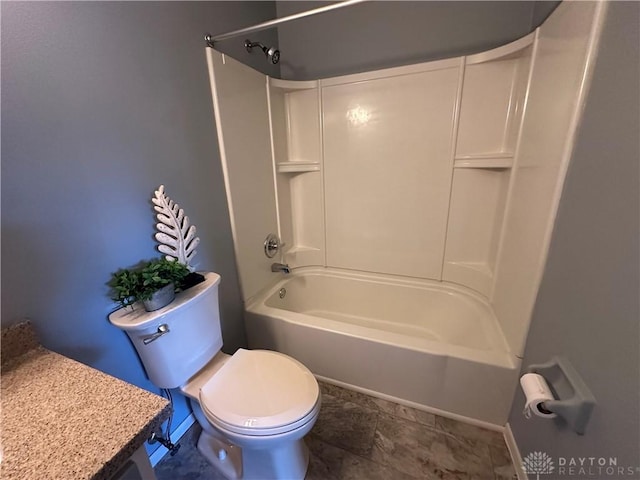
538, 463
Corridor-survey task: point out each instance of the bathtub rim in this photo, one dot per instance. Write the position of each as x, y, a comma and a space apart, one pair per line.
375, 277
497, 357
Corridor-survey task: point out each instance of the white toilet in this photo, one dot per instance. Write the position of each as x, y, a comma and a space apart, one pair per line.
254, 407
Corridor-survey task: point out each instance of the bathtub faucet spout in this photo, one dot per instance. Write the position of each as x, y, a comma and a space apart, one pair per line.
280, 267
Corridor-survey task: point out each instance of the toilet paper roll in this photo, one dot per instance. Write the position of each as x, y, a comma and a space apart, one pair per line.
537, 392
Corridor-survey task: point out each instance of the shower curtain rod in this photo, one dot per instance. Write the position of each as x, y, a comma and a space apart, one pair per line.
210, 39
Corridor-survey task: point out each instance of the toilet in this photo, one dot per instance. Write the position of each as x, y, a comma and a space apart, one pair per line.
254, 406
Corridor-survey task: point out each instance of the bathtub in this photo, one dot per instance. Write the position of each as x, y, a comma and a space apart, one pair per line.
426, 344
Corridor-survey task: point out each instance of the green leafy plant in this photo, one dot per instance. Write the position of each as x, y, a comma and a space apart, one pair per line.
160, 273
141, 282
125, 286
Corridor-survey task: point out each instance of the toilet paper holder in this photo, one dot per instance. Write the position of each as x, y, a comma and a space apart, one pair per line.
575, 400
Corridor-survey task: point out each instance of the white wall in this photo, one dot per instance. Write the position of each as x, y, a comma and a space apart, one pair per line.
553, 109
242, 122
387, 162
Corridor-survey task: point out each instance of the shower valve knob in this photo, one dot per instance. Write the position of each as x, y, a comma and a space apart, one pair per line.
272, 245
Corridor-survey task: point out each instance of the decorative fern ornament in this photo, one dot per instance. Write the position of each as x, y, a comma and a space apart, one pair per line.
177, 239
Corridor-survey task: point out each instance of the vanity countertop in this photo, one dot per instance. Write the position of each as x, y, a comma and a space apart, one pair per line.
64, 420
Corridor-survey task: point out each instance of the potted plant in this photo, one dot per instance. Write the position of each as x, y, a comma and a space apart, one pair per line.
154, 283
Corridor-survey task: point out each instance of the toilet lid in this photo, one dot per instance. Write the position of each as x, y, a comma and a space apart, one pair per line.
259, 390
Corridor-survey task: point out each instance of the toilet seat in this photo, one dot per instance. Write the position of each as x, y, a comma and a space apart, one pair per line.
260, 393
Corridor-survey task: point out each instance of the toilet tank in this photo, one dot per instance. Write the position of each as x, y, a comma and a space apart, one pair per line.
193, 337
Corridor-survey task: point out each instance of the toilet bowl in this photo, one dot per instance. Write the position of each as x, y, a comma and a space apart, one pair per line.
254, 406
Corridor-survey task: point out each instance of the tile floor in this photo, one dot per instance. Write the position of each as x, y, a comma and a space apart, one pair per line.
358, 437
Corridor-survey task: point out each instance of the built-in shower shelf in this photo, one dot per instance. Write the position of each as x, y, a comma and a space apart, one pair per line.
484, 160
293, 85
297, 167
301, 255
296, 249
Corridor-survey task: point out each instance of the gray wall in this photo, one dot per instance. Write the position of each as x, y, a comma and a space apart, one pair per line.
383, 34
101, 103
587, 308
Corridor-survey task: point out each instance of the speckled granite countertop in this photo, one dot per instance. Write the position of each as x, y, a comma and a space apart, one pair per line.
64, 420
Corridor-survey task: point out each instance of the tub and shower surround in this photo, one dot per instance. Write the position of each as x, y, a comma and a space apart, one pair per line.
402, 171
447, 172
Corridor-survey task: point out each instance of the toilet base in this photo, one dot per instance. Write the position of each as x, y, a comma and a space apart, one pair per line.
224, 457
285, 458
287, 462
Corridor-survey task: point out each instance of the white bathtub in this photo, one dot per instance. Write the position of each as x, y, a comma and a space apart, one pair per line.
427, 344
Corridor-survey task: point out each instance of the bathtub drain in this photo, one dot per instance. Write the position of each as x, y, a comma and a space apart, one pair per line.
282, 292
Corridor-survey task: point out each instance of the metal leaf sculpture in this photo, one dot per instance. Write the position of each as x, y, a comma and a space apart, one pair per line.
177, 239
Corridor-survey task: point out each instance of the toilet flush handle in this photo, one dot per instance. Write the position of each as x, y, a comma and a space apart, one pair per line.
162, 329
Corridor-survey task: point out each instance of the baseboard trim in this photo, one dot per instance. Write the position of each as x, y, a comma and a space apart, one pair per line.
156, 456
514, 451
